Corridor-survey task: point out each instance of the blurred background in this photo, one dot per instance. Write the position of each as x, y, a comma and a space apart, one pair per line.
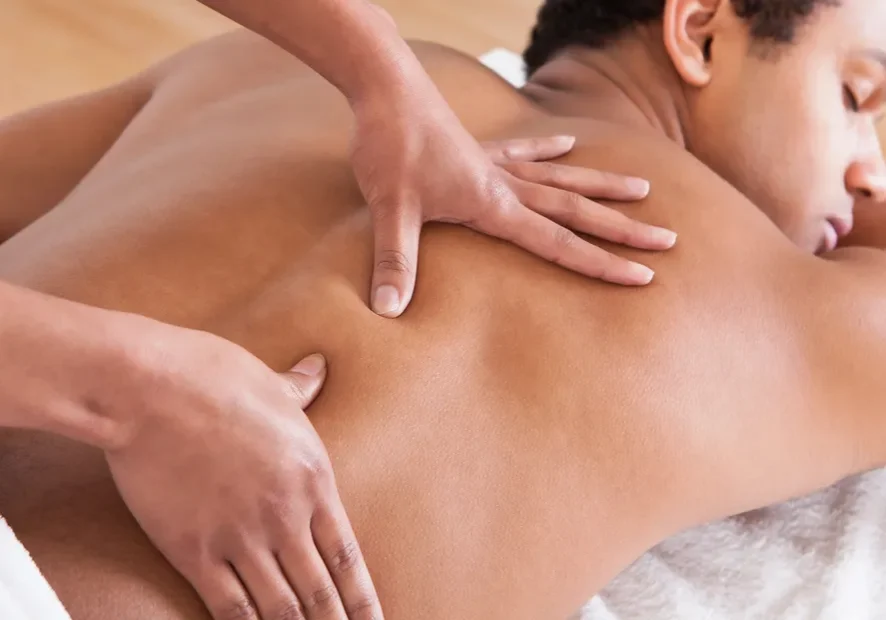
53, 48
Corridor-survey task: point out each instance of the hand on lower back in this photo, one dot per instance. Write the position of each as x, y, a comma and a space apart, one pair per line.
417, 164
227, 477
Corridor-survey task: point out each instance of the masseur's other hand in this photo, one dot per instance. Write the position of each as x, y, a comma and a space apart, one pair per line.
227, 477
415, 166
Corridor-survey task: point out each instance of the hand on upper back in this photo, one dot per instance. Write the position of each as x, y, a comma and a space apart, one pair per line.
418, 166
228, 478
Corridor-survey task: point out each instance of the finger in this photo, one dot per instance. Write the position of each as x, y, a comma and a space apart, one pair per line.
584, 181
396, 257
306, 378
547, 239
587, 216
268, 587
528, 149
224, 594
310, 579
337, 544
384, 14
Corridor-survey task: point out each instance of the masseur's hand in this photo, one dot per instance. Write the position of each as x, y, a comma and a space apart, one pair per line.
417, 164
227, 477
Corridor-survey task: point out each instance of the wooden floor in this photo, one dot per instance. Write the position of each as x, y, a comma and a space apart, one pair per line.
53, 48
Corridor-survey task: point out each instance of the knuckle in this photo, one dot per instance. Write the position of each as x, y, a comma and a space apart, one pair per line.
238, 609
290, 610
395, 261
316, 466
564, 240
364, 608
628, 233
344, 557
294, 390
318, 478
503, 200
550, 174
610, 265
281, 505
573, 204
323, 600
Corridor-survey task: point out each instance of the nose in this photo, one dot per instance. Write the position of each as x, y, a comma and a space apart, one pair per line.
866, 177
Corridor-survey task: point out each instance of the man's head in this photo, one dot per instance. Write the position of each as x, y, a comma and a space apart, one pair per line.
780, 96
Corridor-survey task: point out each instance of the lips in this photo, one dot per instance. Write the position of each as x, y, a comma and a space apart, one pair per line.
835, 228
841, 225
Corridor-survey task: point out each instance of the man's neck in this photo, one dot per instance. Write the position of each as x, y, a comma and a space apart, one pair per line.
630, 82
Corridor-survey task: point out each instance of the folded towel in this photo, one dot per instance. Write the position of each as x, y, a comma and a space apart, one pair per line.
507, 64
24, 593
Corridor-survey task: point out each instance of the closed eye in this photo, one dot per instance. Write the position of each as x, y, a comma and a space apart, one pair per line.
851, 100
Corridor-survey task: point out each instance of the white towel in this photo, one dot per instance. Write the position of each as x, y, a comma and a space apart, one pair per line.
507, 64
821, 557
24, 593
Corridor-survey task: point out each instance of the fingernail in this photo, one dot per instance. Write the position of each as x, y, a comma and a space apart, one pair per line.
566, 142
638, 186
311, 366
666, 237
641, 274
386, 300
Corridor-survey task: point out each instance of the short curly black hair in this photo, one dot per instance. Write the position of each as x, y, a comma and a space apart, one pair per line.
594, 23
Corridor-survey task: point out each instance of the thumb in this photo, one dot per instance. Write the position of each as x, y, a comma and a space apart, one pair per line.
306, 378
396, 259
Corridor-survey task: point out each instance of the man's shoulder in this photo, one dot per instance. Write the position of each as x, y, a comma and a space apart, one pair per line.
716, 224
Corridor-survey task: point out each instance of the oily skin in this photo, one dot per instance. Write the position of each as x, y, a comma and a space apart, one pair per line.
483, 441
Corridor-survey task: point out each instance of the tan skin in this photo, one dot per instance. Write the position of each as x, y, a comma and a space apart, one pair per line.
122, 385
402, 127
518, 419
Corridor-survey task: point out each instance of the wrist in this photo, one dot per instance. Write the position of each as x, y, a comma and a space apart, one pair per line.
393, 80
124, 376
53, 354
413, 105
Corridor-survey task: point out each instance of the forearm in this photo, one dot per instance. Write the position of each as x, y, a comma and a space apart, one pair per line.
349, 42
56, 360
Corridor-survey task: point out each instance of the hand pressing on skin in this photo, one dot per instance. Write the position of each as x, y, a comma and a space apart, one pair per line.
228, 478
425, 167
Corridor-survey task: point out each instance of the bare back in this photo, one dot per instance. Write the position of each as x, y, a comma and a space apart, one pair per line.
516, 421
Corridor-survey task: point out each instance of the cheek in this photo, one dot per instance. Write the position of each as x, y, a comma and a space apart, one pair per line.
773, 142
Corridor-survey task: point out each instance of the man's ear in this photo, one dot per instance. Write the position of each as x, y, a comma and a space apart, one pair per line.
688, 37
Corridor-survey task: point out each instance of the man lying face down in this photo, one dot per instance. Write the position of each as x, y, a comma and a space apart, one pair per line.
521, 434
748, 89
